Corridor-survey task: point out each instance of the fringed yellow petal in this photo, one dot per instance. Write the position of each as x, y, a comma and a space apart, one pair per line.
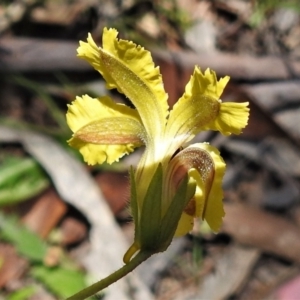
198, 106
131, 70
232, 118
103, 130
90, 52
206, 84
211, 86
185, 225
86, 109
97, 154
201, 109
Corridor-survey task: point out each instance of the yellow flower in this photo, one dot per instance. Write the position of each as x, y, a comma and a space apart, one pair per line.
171, 185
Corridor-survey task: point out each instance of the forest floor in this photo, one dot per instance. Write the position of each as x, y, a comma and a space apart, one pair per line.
64, 224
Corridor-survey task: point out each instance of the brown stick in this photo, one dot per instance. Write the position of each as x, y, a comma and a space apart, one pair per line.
270, 233
26, 54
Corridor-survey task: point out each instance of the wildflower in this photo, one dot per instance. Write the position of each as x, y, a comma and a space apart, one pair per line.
171, 185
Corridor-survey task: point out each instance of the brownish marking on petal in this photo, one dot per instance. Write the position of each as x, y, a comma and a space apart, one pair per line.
104, 139
196, 158
202, 161
190, 209
179, 174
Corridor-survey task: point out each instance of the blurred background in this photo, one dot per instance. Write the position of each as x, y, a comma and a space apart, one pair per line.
64, 225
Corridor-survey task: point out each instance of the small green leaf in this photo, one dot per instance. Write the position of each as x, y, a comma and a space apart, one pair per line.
20, 179
151, 213
27, 243
62, 282
22, 294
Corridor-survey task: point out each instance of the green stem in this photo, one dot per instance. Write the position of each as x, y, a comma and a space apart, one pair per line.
105, 282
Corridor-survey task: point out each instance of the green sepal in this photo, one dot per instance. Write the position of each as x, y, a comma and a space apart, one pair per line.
170, 220
133, 202
150, 225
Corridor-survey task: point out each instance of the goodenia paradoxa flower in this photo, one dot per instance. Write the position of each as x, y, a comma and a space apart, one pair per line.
173, 183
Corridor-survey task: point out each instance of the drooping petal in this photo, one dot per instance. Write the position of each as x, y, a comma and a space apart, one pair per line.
204, 164
198, 106
213, 208
103, 130
131, 70
185, 225
232, 118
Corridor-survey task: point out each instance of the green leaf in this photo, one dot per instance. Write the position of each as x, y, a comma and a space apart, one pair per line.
62, 282
27, 243
170, 220
151, 213
20, 179
22, 294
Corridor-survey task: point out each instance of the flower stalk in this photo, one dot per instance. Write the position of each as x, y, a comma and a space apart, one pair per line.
112, 278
